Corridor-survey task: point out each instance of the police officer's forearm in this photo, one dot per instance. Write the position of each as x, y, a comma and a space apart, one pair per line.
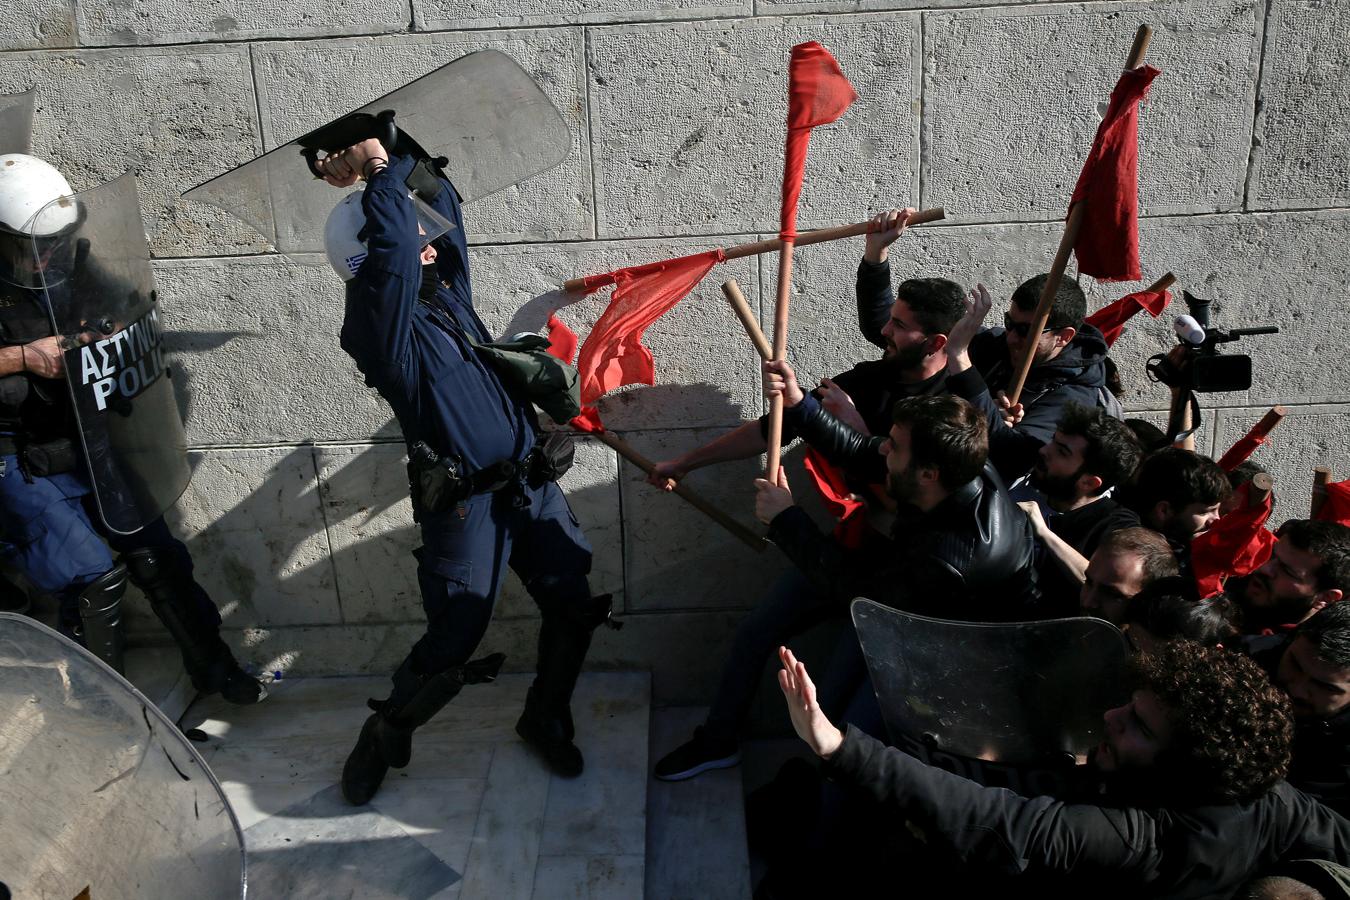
11, 360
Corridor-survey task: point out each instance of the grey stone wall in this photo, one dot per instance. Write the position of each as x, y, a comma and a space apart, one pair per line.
297, 513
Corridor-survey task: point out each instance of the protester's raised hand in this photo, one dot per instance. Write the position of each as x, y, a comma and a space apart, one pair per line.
780, 379
772, 498
808, 721
666, 474
1033, 511
346, 167
839, 404
977, 303
885, 228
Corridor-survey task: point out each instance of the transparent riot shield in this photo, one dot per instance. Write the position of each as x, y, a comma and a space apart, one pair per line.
98, 790
16, 123
91, 257
482, 112
1022, 693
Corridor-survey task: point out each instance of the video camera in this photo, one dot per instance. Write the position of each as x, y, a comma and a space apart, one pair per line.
1205, 369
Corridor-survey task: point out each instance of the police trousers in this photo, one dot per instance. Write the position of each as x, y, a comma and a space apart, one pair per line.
464, 556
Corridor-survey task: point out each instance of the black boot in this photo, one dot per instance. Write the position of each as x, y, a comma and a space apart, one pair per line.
546, 723
100, 628
386, 737
168, 584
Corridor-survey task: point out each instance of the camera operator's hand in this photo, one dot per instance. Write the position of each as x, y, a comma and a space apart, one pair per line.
885, 229
1179, 358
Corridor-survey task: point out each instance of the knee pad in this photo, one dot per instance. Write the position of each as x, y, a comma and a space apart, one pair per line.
100, 604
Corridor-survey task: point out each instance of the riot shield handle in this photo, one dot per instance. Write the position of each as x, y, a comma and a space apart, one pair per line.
347, 131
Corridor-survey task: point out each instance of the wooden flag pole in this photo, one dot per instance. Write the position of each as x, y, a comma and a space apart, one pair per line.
1321, 478
780, 327
1066, 243
1161, 284
694, 499
575, 285
1261, 486
732, 290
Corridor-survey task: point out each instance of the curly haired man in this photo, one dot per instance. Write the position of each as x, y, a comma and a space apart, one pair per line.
1195, 805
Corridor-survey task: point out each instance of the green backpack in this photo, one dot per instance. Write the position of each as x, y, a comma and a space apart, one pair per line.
525, 365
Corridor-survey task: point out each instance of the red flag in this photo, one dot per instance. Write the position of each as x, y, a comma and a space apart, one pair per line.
1336, 508
1111, 319
818, 93
841, 502
1108, 245
613, 354
1238, 544
562, 342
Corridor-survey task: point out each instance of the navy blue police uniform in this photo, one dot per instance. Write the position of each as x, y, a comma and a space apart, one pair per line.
412, 334
51, 533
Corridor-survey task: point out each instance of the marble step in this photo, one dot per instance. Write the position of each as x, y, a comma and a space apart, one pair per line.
696, 828
475, 815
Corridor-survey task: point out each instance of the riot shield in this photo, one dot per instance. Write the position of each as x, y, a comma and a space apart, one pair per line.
94, 265
99, 792
16, 123
996, 700
482, 113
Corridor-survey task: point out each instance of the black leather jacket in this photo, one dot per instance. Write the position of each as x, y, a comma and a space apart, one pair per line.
970, 557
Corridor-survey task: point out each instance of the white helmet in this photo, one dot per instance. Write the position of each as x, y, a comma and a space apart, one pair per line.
28, 186
342, 233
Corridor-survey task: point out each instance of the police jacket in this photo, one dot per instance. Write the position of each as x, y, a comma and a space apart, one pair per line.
1198, 851
970, 557
32, 409
417, 351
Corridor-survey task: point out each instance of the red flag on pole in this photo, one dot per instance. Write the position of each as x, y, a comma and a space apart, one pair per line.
1111, 319
818, 93
1108, 244
562, 341
1238, 544
613, 354
1246, 445
1336, 508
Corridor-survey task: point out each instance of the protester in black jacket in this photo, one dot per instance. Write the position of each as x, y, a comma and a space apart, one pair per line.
1196, 808
1069, 367
961, 549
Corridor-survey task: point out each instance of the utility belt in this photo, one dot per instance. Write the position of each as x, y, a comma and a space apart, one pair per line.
39, 459
438, 483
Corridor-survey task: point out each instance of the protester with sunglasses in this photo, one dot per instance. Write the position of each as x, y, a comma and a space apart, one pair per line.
1069, 366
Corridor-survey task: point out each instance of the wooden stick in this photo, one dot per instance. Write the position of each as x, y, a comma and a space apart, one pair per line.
1322, 477
1161, 284
1274, 416
626, 450
821, 235
1071, 229
1047, 300
1261, 486
774, 451
732, 290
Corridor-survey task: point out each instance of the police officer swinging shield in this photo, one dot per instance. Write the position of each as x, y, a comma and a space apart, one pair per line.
482, 471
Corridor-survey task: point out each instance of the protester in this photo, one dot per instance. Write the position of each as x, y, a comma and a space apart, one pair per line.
1068, 367
1312, 666
959, 548
1090, 454
1178, 493
1194, 806
1308, 569
1168, 610
1126, 562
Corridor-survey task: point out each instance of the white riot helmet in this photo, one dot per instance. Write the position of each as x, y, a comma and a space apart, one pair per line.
33, 229
344, 239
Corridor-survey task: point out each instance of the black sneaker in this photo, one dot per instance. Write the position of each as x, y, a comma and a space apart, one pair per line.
695, 758
549, 737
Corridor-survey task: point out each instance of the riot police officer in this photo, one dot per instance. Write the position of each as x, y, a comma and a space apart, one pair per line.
482, 482
50, 527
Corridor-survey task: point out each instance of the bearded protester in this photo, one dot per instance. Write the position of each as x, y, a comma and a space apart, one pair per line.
1194, 804
1308, 570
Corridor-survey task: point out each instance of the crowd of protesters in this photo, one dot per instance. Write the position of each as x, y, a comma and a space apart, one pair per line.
1228, 769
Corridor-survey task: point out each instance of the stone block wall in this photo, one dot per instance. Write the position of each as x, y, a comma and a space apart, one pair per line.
297, 514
